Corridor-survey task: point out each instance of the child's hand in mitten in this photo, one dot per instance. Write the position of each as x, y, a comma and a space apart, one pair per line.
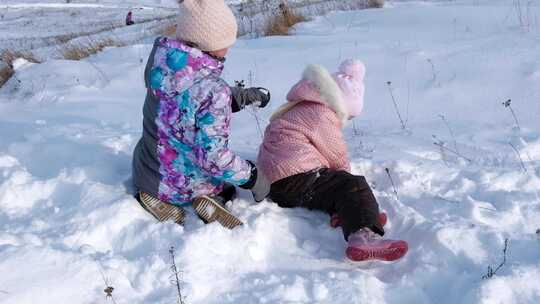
259, 97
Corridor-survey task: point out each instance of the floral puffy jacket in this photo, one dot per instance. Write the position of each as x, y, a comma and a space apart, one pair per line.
183, 152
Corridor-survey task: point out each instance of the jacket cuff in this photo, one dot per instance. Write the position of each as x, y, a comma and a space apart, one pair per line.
252, 179
237, 103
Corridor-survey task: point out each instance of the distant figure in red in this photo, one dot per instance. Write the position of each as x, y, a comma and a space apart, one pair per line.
129, 18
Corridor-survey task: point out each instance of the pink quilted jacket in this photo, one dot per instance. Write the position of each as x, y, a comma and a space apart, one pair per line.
306, 133
306, 137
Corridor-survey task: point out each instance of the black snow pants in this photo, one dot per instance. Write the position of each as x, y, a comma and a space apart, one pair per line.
335, 192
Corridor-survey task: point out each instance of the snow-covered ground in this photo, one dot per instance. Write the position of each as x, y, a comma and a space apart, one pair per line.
45, 29
67, 130
30, 24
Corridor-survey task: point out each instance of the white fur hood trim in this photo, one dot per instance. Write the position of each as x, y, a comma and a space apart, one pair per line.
328, 88
329, 91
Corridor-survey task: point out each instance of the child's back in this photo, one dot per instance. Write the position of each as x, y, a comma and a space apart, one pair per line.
306, 137
187, 116
183, 158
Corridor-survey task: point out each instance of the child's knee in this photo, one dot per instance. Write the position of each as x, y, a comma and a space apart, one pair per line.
350, 182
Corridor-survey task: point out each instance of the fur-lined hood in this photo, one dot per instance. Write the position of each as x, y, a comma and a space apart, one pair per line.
343, 91
317, 85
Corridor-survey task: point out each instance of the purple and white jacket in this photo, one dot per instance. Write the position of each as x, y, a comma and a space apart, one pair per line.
183, 152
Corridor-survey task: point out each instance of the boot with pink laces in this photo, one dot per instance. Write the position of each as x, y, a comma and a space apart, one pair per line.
365, 245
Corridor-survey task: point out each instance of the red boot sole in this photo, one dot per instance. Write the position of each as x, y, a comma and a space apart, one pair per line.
392, 253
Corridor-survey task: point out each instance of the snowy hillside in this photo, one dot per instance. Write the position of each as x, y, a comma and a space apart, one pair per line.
26, 26
69, 226
44, 29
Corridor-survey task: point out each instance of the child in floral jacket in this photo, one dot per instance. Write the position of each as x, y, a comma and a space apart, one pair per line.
304, 155
183, 157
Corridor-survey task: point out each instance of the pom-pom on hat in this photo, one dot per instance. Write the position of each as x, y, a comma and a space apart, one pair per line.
350, 79
210, 24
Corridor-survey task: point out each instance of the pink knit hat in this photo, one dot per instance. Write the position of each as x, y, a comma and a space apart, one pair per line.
210, 24
350, 79
342, 91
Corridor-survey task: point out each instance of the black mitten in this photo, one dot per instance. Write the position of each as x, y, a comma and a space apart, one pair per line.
259, 97
258, 183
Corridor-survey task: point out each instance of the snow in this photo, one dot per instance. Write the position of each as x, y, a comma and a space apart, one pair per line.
28, 26
210, 209
44, 29
69, 226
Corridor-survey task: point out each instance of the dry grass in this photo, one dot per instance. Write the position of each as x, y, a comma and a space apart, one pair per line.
70, 53
82, 51
6, 63
376, 3
6, 72
283, 21
170, 31
64, 38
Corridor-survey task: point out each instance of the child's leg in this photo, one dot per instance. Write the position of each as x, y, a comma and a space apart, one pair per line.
336, 192
294, 191
350, 197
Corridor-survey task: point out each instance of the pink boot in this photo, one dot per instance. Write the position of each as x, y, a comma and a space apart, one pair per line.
365, 245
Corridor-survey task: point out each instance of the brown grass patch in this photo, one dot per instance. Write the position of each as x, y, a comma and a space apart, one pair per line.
78, 52
6, 63
6, 72
64, 38
170, 31
283, 21
376, 3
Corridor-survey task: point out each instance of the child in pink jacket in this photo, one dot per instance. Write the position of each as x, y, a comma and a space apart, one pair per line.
304, 155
